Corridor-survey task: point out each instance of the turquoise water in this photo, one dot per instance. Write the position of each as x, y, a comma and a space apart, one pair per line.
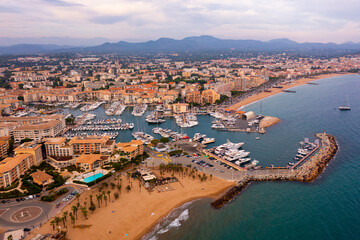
93, 177
328, 208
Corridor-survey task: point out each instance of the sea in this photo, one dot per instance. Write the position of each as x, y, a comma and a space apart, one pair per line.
328, 208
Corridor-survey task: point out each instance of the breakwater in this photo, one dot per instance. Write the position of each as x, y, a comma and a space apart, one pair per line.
307, 172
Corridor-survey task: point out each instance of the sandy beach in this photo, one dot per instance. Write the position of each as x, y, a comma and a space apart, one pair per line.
137, 211
274, 91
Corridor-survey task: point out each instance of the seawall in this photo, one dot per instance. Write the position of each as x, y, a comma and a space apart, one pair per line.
308, 172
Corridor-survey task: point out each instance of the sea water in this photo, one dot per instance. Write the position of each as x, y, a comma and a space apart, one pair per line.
328, 208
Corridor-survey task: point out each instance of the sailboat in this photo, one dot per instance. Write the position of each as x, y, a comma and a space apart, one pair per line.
346, 106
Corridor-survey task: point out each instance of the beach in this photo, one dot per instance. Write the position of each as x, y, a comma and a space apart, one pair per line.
135, 212
299, 82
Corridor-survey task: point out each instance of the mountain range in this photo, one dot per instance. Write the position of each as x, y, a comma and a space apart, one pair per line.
189, 44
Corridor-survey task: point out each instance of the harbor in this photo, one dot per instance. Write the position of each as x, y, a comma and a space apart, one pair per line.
306, 172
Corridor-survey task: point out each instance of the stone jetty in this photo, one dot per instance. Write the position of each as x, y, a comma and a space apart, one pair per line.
307, 172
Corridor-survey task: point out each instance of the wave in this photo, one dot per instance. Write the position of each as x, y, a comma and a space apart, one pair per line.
176, 223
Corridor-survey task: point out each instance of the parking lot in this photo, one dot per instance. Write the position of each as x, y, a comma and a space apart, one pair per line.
200, 162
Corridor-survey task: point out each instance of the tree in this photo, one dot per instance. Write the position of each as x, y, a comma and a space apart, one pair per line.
108, 193
20, 98
119, 188
92, 207
63, 221
98, 197
72, 218
105, 198
65, 214
21, 86
78, 197
10, 237
52, 223
128, 188
116, 195
26, 140
75, 209
164, 140
84, 212
154, 142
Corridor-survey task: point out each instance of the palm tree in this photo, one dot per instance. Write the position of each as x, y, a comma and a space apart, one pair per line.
139, 185
128, 188
116, 195
105, 198
108, 192
65, 214
98, 197
91, 196
52, 223
78, 197
75, 209
63, 221
84, 212
72, 217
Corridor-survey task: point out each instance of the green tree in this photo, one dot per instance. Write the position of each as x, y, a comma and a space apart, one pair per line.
164, 140
74, 210
84, 212
155, 142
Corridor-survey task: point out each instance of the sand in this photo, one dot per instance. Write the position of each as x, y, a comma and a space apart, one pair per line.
136, 212
274, 91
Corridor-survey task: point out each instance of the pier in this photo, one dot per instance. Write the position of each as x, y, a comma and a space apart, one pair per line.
305, 171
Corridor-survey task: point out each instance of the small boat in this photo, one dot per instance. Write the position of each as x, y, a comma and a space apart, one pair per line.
346, 106
257, 138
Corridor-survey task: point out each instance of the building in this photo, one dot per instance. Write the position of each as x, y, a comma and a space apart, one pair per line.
209, 96
12, 168
89, 162
92, 144
39, 130
193, 96
32, 148
179, 108
42, 178
4, 147
131, 149
58, 147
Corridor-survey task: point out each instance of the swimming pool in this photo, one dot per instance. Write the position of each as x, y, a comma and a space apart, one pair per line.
93, 177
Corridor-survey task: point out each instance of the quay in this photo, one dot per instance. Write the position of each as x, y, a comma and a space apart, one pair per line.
306, 172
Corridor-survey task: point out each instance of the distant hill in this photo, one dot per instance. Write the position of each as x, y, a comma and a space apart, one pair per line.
61, 41
189, 44
204, 43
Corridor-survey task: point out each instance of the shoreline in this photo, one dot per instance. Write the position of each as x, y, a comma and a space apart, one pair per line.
213, 196
299, 82
136, 213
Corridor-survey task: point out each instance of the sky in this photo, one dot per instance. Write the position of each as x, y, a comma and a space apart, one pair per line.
134, 20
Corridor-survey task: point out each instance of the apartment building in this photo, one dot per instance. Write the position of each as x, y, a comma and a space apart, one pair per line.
12, 168
4, 147
89, 162
58, 147
179, 108
131, 149
92, 144
39, 130
209, 96
32, 148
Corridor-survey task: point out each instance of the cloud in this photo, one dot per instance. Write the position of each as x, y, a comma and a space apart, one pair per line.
109, 19
304, 20
62, 3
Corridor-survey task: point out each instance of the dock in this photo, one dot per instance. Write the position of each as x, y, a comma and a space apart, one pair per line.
223, 160
303, 171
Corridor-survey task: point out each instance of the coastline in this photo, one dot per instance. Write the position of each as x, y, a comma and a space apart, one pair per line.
299, 82
136, 212
213, 196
